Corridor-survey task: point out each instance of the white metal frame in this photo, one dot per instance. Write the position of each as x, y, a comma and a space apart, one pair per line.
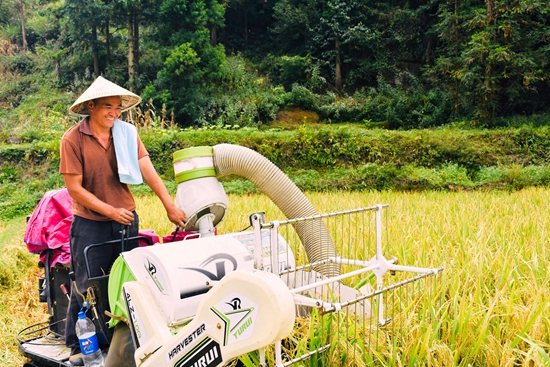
378, 265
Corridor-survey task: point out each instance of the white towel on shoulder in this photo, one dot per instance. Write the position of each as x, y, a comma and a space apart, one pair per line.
125, 138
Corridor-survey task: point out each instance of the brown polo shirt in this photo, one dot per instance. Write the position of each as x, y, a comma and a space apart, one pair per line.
82, 154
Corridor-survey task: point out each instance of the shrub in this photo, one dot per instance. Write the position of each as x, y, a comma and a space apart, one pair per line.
490, 176
243, 99
301, 97
307, 180
286, 70
373, 176
9, 173
454, 176
404, 106
408, 105
20, 63
342, 109
418, 178
232, 111
240, 187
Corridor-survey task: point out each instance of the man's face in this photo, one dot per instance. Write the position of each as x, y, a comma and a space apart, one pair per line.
104, 111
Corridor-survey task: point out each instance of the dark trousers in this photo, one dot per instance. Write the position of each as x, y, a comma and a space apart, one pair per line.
85, 232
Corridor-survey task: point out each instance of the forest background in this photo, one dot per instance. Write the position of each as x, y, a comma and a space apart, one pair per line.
426, 104
346, 95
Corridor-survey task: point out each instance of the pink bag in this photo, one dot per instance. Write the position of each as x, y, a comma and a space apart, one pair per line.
49, 226
180, 236
150, 234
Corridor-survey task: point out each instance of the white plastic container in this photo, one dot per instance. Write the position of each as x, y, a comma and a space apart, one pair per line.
199, 191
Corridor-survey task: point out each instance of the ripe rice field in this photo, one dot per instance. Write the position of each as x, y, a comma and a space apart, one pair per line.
494, 304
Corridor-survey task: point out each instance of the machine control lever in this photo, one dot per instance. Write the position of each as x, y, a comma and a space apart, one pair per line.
65, 290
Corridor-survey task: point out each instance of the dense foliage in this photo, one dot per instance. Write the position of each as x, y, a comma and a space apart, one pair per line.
230, 69
329, 158
399, 63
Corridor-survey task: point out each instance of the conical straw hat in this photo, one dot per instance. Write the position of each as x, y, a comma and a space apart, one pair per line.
101, 87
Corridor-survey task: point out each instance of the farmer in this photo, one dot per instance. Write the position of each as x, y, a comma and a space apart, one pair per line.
99, 157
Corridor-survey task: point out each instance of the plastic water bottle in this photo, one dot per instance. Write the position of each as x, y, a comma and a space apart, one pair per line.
85, 330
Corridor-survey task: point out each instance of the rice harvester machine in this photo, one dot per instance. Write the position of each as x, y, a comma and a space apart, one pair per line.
209, 298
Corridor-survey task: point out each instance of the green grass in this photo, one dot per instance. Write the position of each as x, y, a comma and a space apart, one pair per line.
490, 307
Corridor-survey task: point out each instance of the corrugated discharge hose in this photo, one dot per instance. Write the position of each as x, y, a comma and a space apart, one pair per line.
245, 162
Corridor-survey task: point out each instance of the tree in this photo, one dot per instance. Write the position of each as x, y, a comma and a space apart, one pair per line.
293, 22
5, 13
133, 47
247, 25
23, 29
81, 21
341, 27
135, 12
192, 65
497, 50
453, 33
53, 52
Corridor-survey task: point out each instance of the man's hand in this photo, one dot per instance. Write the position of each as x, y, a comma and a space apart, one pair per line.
176, 216
122, 216
90, 201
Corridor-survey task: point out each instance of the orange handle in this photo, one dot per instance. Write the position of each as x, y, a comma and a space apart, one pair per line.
64, 290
